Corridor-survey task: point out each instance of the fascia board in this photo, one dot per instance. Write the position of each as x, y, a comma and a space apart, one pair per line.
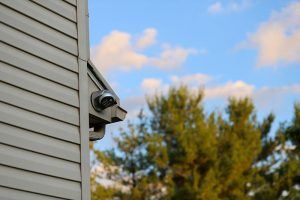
100, 78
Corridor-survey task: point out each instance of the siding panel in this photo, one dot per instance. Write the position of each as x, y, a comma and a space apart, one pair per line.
38, 30
73, 2
38, 85
35, 65
43, 15
38, 183
36, 142
35, 162
40, 123
37, 123
11, 194
36, 47
39, 104
60, 7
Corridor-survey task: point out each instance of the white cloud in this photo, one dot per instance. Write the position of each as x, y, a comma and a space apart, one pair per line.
238, 6
172, 57
264, 97
120, 51
236, 89
151, 85
278, 39
147, 39
268, 96
117, 52
191, 80
215, 8
154, 85
233, 6
230, 89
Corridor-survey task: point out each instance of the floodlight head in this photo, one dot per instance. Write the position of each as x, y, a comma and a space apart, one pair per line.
103, 99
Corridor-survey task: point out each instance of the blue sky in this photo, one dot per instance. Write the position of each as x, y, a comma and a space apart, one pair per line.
232, 48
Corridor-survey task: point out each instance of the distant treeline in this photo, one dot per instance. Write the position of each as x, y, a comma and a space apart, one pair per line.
177, 151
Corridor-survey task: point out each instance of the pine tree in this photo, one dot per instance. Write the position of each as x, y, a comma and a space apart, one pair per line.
129, 165
209, 156
281, 177
179, 151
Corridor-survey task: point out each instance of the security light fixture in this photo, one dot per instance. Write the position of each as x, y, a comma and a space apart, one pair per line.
103, 99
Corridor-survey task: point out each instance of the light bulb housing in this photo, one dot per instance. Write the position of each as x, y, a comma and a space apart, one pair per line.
103, 99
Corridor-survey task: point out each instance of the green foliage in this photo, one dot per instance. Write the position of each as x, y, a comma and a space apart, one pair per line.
293, 130
179, 151
100, 192
286, 176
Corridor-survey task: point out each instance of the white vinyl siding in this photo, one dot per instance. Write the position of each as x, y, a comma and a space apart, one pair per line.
38, 30
43, 15
38, 66
40, 140
5, 193
39, 85
38, 183
60, 7
38, 48
40, 143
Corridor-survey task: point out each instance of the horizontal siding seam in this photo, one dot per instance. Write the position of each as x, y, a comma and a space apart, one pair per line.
30, 181
38, 104
53, 10
36, 92
39, 113
69, 45
40, 21
46, 195
31, 111
74, 71
32, 64
15, 28
39, 94
36, 142
15, 146
50, 136
73, 4
39, 173
54, 167
44, 77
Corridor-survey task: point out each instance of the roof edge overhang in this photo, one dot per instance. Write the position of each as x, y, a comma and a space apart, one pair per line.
118, 113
